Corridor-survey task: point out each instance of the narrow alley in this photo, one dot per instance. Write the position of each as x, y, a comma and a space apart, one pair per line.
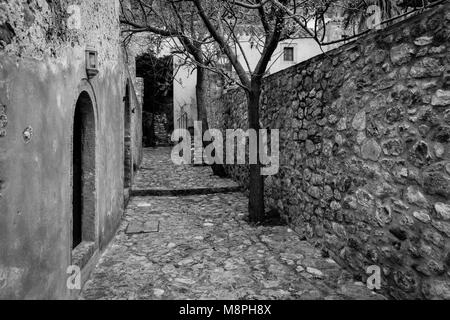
200, 247
327, 124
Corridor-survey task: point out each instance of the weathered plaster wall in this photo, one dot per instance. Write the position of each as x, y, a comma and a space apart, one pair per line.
138, 45
42, 73
365, 152
136, 118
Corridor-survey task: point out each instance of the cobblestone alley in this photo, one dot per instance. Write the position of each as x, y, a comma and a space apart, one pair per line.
201, 247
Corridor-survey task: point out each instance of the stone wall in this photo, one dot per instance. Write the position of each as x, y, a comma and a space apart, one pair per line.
365, 152
161, 129
42, 75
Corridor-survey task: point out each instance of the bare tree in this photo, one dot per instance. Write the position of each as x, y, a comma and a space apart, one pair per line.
177, 23
200, 24
274, 19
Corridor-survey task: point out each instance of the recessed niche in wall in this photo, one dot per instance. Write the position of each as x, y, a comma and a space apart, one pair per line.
84, 179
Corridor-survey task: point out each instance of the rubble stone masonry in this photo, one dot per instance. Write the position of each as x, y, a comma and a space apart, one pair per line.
365, 152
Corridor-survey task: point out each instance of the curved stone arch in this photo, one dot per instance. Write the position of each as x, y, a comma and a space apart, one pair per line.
85, 98
85, 85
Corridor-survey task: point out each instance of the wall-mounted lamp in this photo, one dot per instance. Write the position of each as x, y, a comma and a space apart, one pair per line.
91, 63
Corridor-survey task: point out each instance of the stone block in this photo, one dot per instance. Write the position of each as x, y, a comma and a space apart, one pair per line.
414, 196
402, 54
436, 183
359, 121
443, 227
441, 98
423, 41
443, 211
422, 216
371, 150
437, 289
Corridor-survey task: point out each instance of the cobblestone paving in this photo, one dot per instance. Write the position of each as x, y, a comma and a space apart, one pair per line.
204, 249
159, 173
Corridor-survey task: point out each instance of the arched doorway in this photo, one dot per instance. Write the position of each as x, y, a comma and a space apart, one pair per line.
84, 173
128, 158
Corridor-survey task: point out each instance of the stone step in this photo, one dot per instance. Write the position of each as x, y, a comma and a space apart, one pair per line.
184, 192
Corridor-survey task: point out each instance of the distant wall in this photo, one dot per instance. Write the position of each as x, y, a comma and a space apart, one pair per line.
184, 92
186, 76
42, 74
137, 121
365, 152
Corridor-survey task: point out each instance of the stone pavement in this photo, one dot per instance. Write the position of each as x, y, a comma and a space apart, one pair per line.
202, 248
158, 173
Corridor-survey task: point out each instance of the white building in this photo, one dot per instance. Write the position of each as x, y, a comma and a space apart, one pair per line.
288, 53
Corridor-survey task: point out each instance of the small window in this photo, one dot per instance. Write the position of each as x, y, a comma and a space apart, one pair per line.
289, 54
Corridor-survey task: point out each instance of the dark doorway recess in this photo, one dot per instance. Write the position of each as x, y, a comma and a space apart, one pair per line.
128, 158
158, 122
84, 198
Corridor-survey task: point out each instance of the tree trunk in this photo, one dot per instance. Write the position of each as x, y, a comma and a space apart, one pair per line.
256, 183
201, 89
